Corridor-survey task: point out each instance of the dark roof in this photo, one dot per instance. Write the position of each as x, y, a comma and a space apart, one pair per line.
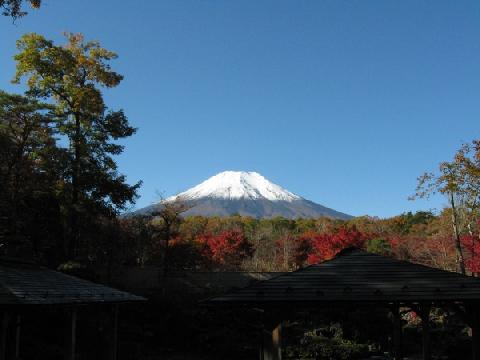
355, 275
28, 283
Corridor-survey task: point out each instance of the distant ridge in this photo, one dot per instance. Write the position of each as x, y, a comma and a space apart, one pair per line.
247, 194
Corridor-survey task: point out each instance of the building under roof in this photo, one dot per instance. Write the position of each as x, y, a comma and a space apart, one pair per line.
25, 285
355, 276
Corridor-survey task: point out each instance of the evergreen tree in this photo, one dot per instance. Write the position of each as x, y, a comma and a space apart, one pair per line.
71, 76
30, 174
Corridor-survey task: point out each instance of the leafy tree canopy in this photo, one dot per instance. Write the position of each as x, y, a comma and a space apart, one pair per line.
14, 8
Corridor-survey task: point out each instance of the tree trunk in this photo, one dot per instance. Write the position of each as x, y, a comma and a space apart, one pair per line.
472, 235
74, 232
165, 250
164, 268
456, 236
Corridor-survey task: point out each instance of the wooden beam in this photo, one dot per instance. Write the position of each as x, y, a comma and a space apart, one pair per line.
425, 315
71, 341
397, 332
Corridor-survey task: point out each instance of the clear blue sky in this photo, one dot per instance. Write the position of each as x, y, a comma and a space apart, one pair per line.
342, 102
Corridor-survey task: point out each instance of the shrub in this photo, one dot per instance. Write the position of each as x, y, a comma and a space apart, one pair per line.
315, 345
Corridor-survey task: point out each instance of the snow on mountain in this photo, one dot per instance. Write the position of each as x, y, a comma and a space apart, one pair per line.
238, 185
247, 194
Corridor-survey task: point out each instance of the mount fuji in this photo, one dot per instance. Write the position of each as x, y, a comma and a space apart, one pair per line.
247, 194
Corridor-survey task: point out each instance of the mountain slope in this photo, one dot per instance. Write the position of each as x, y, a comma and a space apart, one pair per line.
247, 194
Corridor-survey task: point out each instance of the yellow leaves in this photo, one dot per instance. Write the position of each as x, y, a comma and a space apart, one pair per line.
77, 64
35, 4
74, 40
31, 82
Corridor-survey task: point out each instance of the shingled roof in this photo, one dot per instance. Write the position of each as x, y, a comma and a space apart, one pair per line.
28, 283
355, 275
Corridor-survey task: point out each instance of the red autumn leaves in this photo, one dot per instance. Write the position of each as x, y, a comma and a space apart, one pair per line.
230, 248
315, 247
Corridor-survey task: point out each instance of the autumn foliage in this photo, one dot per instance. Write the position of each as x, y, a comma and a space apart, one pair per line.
227, 249
239, 243
315, 247
471, 244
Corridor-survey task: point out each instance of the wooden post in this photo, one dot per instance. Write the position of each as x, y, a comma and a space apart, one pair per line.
425, 315
277, 342
70, 349
113, 350
397, 332
3, 335
475, 326
272, 341
18, 323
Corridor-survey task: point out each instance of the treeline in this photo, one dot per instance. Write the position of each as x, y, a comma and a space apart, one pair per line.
279, 244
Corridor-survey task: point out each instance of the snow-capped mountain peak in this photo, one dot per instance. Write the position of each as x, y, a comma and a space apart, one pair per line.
232, 185
246, 194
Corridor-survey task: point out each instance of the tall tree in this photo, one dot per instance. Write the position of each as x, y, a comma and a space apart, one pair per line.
469, 158
166, 226
452, 180
72, 76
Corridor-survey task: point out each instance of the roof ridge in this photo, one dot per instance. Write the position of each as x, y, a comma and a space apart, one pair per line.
380, 278
15, 260
350, 249
256, 283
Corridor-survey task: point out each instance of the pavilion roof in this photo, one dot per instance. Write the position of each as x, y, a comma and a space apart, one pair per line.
355, 275
23, 283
